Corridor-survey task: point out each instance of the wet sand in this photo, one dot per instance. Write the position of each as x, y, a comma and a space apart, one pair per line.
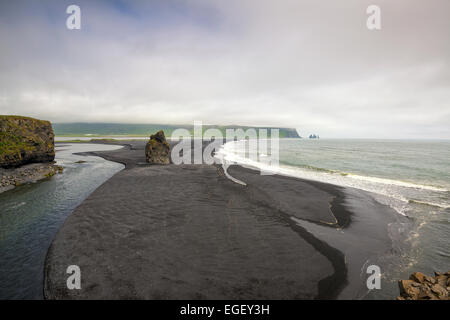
188, 232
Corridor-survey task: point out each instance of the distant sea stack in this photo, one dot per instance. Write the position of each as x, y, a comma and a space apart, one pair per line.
25, 140
157, 150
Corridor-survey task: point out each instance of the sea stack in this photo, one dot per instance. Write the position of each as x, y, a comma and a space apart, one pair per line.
25, 140
157, 150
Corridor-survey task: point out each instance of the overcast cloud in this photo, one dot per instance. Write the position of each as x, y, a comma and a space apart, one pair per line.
312, 65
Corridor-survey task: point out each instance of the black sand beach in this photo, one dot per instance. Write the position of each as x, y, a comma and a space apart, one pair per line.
188, 232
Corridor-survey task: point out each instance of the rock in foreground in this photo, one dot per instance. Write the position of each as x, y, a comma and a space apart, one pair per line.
422, 287
157, 150
25, 140
29, 173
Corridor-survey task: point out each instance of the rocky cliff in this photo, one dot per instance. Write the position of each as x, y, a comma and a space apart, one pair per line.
25, 140
157, 149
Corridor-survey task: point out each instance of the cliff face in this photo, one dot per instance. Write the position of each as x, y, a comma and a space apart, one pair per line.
157, 150
289, 133
25, 140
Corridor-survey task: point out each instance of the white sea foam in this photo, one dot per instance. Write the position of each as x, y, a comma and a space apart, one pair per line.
232, 152
15, 206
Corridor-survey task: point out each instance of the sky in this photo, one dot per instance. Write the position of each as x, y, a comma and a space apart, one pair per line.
311, 65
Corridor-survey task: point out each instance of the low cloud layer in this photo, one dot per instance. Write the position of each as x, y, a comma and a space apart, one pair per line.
312, 65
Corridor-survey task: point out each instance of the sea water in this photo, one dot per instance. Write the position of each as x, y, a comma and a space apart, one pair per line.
412, 177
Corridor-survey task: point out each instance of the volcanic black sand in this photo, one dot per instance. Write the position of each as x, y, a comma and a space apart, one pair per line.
188, 232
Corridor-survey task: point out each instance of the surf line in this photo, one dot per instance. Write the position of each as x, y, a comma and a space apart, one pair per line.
225, 166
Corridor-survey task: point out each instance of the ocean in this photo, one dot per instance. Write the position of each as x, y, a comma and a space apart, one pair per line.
412, 177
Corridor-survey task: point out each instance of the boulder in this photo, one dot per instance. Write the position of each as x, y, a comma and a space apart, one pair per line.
439, 290
408, 289
157, 150
423, 287
418, 277
25, 140
441, 279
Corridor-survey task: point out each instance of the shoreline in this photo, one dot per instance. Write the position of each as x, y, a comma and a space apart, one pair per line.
325, 271
31, 214
28, 173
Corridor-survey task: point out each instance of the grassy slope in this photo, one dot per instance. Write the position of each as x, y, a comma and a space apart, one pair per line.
112, 129
12, 133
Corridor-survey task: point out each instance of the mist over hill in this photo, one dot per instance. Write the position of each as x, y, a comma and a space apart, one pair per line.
112, 129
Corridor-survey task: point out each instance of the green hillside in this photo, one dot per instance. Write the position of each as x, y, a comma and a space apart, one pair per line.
113, 129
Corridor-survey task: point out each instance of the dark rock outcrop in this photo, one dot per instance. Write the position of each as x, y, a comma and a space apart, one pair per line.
157, 150
422, 287
29, 173
25, 140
